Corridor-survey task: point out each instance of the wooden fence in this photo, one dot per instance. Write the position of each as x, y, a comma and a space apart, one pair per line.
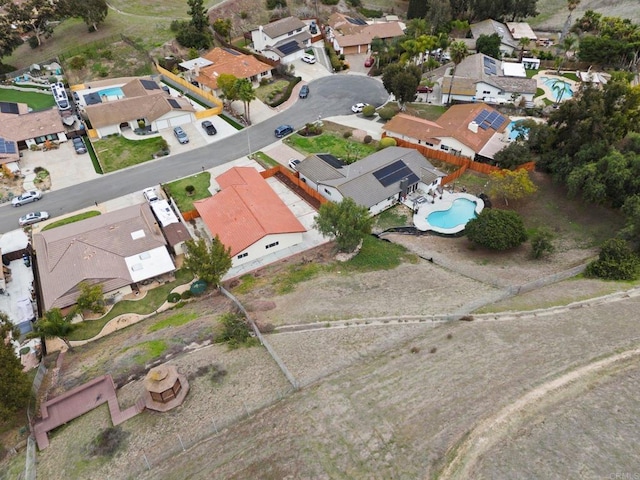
192, 89
293, 178
463, 162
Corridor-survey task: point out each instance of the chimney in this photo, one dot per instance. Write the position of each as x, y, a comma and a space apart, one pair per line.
473, 126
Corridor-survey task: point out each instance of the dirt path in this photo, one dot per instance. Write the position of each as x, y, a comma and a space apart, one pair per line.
490, 431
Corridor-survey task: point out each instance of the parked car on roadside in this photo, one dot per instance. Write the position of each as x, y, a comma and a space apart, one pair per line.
304, 91
33, 217
209, 128
181, 135
424, 89
26, 197
358, 107
369, 62
308, 58
79, 145
283, 130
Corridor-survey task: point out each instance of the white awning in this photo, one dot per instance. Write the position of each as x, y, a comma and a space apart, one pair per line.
149, 264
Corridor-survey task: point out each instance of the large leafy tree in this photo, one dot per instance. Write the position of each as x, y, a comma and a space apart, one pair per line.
92, 12
616, 261
513, 155
511, 184
198, 15
222, 27
346, 221
489, 45
14, 383
496, 229
417, 9
36, 16
9, 38
228, 85
91, 297
54, 324
402, 81
208, 262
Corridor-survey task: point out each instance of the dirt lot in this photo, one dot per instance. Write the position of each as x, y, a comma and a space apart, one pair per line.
374, 394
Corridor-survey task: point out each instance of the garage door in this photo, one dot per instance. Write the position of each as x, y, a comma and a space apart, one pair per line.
180, 120
162, 124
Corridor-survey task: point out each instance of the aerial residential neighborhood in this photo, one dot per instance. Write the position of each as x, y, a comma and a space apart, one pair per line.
319, 240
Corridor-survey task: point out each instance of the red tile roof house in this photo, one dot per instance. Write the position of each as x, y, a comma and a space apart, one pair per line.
116, 250
232, 62
249, 217
350, 35
468, 130
285, 39
143, 99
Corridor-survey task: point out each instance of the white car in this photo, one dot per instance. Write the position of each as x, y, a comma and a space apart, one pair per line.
150, 195
293, 164
358, 107
33, 217
308, 58
26, 197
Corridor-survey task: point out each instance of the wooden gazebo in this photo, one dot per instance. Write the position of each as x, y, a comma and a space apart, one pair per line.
165, 388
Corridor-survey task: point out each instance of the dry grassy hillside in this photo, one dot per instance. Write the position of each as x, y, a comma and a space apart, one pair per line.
553, 13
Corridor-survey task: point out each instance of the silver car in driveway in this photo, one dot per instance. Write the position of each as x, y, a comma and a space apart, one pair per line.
26, 197
181, 135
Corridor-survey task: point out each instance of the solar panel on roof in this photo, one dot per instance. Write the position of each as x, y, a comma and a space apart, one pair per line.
497, 122
8, 107
481, 116
174, 103
491, 117
149, 85
92, 99
484, 126
289, 48
231, 51
356, 21
394, 173
7, 146
331, 160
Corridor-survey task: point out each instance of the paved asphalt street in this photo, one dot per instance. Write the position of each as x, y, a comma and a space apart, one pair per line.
333, 95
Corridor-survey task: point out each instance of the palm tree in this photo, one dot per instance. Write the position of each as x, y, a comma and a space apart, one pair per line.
523, 43
54, 324
458, 51
571, 6
247, 95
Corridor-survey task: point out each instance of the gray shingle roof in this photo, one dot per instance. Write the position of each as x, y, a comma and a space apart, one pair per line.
489, 27
282, 26
93, 250
358, 182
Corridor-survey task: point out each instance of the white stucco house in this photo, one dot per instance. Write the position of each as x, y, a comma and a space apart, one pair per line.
285, 39
377, 182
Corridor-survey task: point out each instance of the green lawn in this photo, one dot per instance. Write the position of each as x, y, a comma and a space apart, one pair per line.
263, 92
151, 301
377, 254
173, 321
117, 152
35, 100
344, 149
201, 182
426, 111
265, 160
73, 219
393, 217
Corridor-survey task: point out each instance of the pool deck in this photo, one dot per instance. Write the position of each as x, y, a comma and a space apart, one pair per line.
548, 93
440, 203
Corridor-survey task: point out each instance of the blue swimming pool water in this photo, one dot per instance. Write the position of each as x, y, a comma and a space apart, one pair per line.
460, 212
111, 92
560, 89
513, 135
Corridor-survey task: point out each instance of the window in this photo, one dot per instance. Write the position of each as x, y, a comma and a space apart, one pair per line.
444, 147
429, 144
242, 255
327, 191
271, 245
486, 92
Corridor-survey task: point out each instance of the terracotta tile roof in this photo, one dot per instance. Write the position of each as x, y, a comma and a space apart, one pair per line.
93, 250
150, 107
31, 125
349, 34
282, 26
455, 123
245, 210
414, 127
231, 62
